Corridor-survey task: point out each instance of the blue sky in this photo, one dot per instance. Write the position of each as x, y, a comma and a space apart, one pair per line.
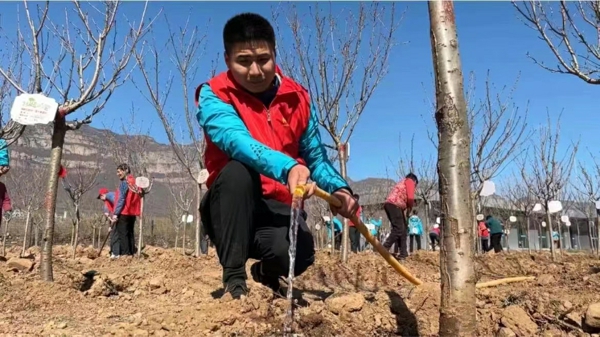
491, 37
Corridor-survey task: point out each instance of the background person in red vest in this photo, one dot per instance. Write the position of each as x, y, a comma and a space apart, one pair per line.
484, 235
108, 207
397, 207
262, 141
126, 210
108, 198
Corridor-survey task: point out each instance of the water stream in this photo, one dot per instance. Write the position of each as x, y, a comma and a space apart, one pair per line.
295, 218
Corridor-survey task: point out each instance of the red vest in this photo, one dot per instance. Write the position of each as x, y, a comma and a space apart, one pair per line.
133, 200
289, 115
109, 206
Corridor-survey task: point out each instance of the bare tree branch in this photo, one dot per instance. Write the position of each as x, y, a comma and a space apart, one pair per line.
340, 59
79, 181
571, 30
184, 50
339, 76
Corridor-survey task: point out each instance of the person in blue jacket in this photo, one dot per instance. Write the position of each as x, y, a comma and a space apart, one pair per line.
338, 226
4, 157
415, 230
374, 226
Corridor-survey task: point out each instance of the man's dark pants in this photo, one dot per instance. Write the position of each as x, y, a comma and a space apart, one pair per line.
354, 239
242, 225
435, 239
496, 242
122, 240
485, 244
399, 232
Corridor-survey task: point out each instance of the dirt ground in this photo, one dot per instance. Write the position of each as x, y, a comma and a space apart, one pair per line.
168, 294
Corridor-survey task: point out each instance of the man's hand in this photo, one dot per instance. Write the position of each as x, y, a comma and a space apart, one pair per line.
349, 204
299, 175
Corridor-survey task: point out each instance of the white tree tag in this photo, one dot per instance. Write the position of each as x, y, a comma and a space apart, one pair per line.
31, 109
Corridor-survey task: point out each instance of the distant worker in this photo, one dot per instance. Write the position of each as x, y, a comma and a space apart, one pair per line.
128, 207
5, 201
108, 199
108, 207
484, 236
353, 232
337, 231
556, 239
397, 206
434, 236
496, 231
4, 157
376, 226
415, 230
373, 226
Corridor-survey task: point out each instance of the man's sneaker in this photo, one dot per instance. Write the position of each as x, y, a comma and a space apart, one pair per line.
268, 281
237, 289
113, 256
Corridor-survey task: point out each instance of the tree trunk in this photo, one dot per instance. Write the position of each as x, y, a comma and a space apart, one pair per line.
559, 229
76, 229
345, 233
478, 245
176, 237
152, 237
58, 141
457, 311
549, 224
332, 235
578, 237
528, 236
72, 233
197, 250
141, 237
4, 234
184, 236
27, 230
99, 240
36, 233
94, 237
426, 224
321, 244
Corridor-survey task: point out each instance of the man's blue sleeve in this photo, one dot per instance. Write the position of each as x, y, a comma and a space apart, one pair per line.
227, 131
4, 153
313, 152
110, 196
123, 189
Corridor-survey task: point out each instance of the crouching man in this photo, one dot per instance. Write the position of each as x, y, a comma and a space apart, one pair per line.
262, 141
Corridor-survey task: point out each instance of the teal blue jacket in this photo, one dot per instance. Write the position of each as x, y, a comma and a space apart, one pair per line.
337, 225
4, 153
377, 224
415, 226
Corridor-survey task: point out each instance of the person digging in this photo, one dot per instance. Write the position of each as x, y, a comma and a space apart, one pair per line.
108, 207
262, 140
